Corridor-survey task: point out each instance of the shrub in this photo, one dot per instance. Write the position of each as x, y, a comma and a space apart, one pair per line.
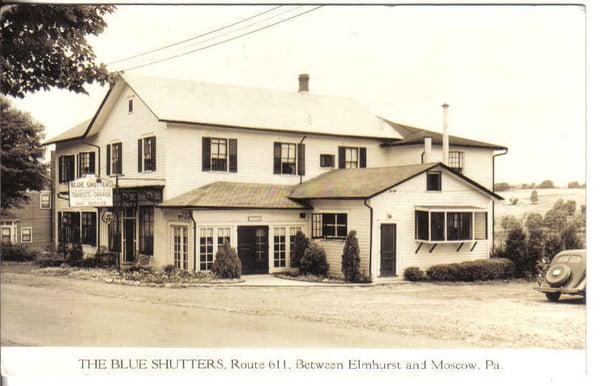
17, 252
294, 272
91, 262
298, 249
476, 270
73, 251
314, 260
498, 250
514, 201
516, 250
502, 186
227, 264
534, 221
351, 259
553, 244
570, 238
535, 247
509, 222
414, 274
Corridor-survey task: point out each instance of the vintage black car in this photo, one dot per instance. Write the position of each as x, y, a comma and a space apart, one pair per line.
566, 275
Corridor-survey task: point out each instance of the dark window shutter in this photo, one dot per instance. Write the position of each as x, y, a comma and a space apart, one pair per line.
93, 162
108, 160
153, 150
94, 229
233, 155
362, 158
205, 153
301, 158
76, 226
79, 157
277, 158
140, 155
342, 157
71, 168
120, 158
61, 161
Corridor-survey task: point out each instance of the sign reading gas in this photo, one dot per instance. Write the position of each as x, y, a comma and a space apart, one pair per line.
88, 191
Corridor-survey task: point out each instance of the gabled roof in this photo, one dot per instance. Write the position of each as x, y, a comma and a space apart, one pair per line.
414, 135
368, 182
175, 100
223, 194
73, 133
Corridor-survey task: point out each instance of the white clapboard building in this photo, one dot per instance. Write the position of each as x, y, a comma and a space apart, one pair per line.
198, 164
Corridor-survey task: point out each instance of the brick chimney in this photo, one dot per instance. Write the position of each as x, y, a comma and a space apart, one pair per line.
303, 82
445, 137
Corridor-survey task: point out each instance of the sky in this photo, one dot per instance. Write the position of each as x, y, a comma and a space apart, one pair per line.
513, 76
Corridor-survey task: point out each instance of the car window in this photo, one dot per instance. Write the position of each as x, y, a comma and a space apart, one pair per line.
568, 259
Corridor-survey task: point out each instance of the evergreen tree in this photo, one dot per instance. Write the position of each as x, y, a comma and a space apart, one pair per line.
298, 248
516, 249
351, 258
534, 197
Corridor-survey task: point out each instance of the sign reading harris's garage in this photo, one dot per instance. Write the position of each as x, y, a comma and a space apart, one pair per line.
89, 191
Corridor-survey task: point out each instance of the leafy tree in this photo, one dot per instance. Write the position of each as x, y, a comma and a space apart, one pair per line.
574, 185
298, 249
45, 46
535, 247
534, 197
351, 258
546, 184
570, 238
553, 244
502, 186
570, 207
582, 208
22, 153
509, 222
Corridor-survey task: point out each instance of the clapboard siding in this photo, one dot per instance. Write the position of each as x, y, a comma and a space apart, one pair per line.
39, 220
397, 205
358, 220
255, 156
478, 163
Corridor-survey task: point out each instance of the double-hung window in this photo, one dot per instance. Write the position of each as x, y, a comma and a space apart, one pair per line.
219, 154
288, 158
114, 158
147, 154
6, 235
352, 157
87, 163
223, 236
66, 168
45, 202
26, 235
329, 225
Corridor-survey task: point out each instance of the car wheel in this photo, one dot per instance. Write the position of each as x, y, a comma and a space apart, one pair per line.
553, 296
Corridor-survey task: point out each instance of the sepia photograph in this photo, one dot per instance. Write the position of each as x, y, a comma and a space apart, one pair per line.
293, 176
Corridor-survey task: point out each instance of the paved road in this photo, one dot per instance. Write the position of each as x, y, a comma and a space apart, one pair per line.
47, 316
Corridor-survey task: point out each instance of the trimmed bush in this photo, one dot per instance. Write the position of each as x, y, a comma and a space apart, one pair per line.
351, 259
414, 274
17, 252
476, 270
516, 250
314, 261
227, 264
298, 249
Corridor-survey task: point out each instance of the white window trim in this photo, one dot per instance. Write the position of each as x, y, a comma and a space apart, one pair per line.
49, 194
31, 235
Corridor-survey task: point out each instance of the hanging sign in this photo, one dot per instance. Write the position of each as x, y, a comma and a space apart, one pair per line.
89, 191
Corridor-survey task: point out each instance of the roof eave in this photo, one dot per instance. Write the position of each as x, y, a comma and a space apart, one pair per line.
412, 143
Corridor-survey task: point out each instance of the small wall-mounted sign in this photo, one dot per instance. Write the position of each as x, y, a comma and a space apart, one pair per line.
254, 218
184, 215
108, 217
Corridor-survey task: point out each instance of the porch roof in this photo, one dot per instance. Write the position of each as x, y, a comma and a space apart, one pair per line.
5, 215
233, 195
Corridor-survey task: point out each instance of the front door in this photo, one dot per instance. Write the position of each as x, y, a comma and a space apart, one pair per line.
388, 249
253, 249
179, 247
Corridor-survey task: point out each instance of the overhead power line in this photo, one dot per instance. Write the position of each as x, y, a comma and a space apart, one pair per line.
193, 37
222, 41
